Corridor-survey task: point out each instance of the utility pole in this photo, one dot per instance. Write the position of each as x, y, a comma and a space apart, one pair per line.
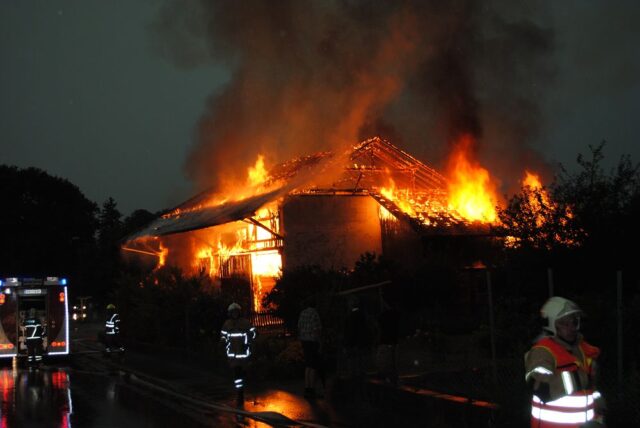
550, 281
492, 327
619, 311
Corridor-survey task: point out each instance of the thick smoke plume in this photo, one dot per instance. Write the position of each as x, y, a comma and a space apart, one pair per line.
310, 75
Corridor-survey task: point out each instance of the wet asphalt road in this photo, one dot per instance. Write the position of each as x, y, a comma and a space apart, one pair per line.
89, 390
63, 397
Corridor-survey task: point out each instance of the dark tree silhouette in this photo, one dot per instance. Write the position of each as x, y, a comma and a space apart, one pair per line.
47, 224
136, 220
606, 206
109, 225
110, 230
533, 220
588, 216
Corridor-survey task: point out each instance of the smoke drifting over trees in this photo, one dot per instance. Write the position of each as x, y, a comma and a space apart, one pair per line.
310, 75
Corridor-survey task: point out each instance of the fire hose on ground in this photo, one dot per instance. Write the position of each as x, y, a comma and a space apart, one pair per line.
151, 383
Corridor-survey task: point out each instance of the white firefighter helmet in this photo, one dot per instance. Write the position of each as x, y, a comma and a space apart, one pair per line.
234, 306
558, 307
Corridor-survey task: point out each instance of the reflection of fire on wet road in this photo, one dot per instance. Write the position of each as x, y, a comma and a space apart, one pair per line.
35, 398
289, 405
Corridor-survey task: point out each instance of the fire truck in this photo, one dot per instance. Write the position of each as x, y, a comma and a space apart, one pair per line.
48, 296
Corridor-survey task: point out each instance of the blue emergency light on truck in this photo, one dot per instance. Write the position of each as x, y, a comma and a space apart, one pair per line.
48, 296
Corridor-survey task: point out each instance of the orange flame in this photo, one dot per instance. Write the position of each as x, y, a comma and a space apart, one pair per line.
544, 209
399, 197
257, 177
205, 261
257, 174
472, 192
225, 252
533, 182
243, 239
162, 255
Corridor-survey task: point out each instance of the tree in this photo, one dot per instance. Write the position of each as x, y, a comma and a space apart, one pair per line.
110, 232
534, 221
606, 206
48, 225
589, 215
109, 225
136, 220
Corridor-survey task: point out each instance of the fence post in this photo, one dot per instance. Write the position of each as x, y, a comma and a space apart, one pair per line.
550, 281
494, 369
619, 313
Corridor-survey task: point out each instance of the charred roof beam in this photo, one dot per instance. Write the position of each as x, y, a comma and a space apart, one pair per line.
257, 223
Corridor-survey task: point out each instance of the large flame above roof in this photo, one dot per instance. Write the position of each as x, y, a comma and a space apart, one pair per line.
472, 192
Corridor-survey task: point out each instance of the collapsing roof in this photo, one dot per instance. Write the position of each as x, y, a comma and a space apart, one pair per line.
366, 168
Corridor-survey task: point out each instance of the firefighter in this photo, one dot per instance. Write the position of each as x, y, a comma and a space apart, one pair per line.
33, 333
237, 335
112, 330
561, 369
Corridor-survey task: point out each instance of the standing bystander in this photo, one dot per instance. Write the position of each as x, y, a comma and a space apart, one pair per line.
387, 344
357, 341
309, 334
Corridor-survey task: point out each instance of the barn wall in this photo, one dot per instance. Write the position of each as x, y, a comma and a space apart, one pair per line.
402, 245
329, 231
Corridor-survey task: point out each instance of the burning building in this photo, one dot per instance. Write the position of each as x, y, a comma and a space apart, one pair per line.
325, 209
314, 75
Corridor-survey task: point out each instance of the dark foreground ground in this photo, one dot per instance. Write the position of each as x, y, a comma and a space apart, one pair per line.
148, 388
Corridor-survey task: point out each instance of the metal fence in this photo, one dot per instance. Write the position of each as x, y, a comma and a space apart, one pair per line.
267, 321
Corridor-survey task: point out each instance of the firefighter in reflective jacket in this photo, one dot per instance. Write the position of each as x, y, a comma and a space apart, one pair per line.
33, 334
238, 335
561, 369
112, 329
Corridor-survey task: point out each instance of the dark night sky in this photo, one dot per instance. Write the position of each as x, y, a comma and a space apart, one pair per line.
85, 96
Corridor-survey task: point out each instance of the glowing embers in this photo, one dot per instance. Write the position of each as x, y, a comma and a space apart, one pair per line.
472, 192
401, 198
426, 207
385, 215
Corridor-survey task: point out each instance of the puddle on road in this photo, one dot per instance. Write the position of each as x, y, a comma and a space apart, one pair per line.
61, 398
35, 398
